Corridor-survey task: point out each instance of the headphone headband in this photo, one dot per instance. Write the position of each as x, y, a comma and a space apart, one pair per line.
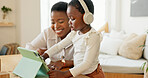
84, 6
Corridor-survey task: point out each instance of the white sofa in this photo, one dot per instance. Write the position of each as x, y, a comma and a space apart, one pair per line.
115, 65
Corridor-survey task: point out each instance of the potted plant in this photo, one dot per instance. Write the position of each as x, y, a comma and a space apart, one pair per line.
144, 66
5, 11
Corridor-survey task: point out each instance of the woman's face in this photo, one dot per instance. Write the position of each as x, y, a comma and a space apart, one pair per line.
59, 21
75, 18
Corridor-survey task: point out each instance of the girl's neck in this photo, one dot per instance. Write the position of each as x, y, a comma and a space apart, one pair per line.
85, 29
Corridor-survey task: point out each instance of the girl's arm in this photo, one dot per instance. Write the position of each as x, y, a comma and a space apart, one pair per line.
59, 46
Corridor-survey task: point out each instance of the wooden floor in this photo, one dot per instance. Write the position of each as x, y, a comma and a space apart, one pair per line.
119, 75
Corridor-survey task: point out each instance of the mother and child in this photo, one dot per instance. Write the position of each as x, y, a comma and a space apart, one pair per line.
71, 38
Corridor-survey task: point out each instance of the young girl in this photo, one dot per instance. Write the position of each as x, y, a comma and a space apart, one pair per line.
86, 42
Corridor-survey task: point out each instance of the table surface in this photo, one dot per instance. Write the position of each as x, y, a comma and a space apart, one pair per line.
9, 62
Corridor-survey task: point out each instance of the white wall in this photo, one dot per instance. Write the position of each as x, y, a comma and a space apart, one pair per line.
26, 17
132, 24
8, 34
28, 20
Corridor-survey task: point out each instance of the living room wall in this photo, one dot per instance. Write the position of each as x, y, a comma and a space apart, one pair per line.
132, 24
26, 19
8, 34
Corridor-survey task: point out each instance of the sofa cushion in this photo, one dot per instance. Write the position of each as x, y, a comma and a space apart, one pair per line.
110, 45
130, 47
117, 35
120, 64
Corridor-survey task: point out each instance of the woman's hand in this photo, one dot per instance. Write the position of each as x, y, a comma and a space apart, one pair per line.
56, 74
41, 50
59, 74
56, 65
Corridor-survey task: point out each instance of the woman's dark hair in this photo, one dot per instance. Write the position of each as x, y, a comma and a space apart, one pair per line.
59, 6
78, 6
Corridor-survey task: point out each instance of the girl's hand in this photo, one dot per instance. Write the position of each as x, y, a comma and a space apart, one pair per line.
41, 50
45, 56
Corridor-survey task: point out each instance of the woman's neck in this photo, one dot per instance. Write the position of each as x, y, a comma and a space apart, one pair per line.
65, 35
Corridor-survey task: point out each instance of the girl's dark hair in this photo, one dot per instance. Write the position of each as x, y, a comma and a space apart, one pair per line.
78, 6
59, 6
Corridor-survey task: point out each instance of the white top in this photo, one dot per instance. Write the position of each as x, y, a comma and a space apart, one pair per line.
47, 39
86, 51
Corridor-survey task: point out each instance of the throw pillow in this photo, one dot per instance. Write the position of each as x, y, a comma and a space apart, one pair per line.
110, 45
116, 34
130, 47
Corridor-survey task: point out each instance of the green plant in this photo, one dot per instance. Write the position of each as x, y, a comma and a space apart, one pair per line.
5, 9
143, 65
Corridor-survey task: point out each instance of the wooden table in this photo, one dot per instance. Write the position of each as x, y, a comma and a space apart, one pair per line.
8, 64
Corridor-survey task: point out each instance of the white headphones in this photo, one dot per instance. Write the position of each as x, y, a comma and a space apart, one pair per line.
88, 16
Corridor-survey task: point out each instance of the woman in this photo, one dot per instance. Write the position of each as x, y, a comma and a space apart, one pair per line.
54, 34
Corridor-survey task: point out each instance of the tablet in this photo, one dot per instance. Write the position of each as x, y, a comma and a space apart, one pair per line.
31, 65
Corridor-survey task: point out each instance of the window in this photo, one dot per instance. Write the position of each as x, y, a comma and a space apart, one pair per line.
44, 11
99, 13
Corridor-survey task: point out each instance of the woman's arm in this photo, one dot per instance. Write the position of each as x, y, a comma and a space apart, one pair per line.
39, 42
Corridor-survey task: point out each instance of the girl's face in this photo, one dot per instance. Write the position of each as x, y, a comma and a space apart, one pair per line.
59, 21
75, 18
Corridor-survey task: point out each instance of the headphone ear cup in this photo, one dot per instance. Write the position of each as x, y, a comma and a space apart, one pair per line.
88, 18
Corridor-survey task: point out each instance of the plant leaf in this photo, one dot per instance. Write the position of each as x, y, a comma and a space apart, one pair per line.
142, 46
143, 65
146, 69
5, 9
